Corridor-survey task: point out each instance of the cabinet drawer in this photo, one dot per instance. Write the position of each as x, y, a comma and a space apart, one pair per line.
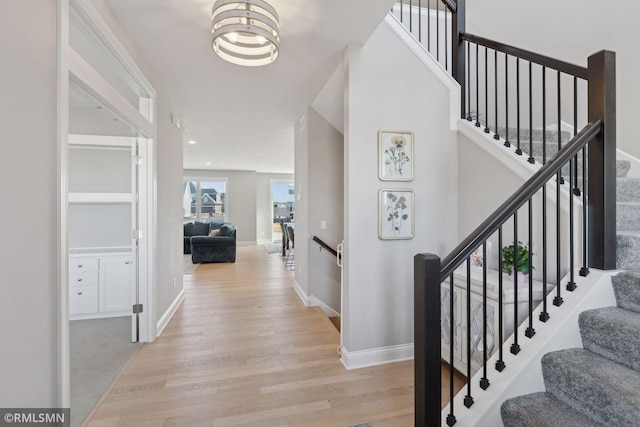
83, 300
80, 264
83, 279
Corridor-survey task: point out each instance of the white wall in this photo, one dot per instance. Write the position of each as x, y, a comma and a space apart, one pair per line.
326, 204
301, 166
264, 207
28, 355
389, 88
240, 199
543, 27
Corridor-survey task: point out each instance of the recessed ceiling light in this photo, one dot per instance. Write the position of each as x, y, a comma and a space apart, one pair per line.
208, 163
191, 141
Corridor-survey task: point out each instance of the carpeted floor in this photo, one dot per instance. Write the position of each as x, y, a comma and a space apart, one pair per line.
99, 350
188, 267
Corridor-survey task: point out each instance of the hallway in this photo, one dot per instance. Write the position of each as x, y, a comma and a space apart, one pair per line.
243, 350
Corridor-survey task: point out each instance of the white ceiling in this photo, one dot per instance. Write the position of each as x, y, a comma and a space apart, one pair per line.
243, 117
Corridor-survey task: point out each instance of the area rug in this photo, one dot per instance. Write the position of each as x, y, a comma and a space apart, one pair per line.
187, 266
273, 248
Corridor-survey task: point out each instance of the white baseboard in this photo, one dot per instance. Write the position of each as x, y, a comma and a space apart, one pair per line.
246, 243
376, 356
330, 312
164, 320
264, 241
302, 294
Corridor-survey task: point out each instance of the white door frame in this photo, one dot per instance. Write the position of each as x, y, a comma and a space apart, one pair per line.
71, 66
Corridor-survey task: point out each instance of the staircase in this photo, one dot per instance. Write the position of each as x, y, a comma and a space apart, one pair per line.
600, 383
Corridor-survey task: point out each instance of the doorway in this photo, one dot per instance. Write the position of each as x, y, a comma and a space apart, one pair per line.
105, 176
283, 207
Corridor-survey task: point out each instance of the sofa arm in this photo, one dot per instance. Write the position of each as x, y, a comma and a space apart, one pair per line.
213, 249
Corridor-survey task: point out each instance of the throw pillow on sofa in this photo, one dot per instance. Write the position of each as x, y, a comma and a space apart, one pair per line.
226, 230
200, 228
214, 233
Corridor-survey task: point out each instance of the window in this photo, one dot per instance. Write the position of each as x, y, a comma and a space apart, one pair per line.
204, 200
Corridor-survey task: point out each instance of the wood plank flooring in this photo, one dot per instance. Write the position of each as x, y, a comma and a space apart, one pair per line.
243, 350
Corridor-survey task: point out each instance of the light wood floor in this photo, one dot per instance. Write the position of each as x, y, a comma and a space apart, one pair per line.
244, 350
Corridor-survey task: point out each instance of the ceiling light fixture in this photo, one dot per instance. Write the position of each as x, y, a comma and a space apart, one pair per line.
191, 141
245, 32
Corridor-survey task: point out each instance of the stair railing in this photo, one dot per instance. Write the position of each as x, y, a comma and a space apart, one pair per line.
511, 105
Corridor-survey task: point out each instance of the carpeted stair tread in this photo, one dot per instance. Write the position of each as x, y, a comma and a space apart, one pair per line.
626, 287
628, 189
612, 332
628, 216
601, 389
627, 249
541, 410
622, 168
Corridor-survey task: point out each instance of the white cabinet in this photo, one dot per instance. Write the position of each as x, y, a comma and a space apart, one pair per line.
115, 272
476, 326
99, 285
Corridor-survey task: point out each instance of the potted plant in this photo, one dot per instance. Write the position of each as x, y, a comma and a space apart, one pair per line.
516, 263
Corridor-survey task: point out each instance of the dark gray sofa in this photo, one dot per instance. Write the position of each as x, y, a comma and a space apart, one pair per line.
220, 248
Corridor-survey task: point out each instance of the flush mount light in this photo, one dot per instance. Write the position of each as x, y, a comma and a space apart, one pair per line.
191, 141
245, 32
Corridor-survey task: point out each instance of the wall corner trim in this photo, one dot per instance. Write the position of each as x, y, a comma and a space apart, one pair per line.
166, 317
376, 356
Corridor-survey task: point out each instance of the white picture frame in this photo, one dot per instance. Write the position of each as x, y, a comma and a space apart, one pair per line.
395, 155
395, 214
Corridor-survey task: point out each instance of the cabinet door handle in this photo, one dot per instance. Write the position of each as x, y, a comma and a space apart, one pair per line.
80, 265
79, 293
79, 279
127, 262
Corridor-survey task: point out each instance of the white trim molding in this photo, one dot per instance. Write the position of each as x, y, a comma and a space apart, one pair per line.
302, 294
166, 317
315, 302
376, 356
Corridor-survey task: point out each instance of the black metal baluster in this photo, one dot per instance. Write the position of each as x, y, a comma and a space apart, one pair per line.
561, 181
544, 315
515, 347
486, 91
477, 87
468, 399
506, 101
531, 159
420, 21
530, 332
446, 41
571, 285
584, 271
438, 31
518, 149
544, 115
469, 118
429, 25
484, 381
495, 74
401, 11
451, 419
576, 188
500, 365
557, 301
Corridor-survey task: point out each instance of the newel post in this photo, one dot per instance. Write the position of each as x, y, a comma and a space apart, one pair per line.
458, 52
426, 312
601, 76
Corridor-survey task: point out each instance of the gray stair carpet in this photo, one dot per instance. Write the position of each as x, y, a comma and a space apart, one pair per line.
595, 385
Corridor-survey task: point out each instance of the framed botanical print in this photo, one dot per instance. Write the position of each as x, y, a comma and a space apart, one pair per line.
395, 155
395, 214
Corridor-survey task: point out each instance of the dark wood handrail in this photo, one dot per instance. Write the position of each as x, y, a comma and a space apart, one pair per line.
546, 61
451, 5
325, 246
513, 203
